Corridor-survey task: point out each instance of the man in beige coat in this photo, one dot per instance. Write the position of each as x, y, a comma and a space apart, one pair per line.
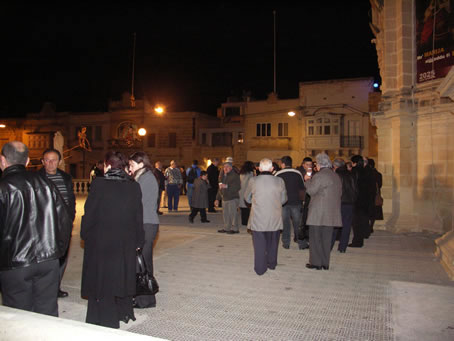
267, 194
325, 189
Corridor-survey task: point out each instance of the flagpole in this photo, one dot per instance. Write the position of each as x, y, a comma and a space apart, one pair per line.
274, 48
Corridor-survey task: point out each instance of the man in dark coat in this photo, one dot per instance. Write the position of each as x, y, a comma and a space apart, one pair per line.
305, 168
365, 201
378, 209
64, 183
348, 200
200, 198
35, 229
161, 179
213, 176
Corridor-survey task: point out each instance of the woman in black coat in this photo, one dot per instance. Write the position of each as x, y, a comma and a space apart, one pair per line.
112, 231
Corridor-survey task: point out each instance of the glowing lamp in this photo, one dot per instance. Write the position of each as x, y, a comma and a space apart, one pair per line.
291, 113
142, 132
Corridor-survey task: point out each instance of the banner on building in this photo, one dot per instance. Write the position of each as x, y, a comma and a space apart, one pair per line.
434, 38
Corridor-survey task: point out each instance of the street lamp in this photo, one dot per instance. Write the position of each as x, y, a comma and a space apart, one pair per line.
159, 109
2, 125
291, 113
142, 132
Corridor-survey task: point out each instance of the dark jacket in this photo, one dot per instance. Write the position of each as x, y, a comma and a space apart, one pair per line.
200, 194
112, 229
160, 178
213, 175
232, 180
69, 188
349, 188
294, 185
34, 222
365, 181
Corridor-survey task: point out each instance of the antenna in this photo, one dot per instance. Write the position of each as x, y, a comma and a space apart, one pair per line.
274, 48
133, 99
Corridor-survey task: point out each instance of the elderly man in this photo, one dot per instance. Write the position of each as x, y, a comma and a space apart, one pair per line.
229, 188
325, 189
267, 194
64, 183
35, 228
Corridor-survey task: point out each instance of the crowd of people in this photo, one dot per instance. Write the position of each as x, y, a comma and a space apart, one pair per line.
318, 202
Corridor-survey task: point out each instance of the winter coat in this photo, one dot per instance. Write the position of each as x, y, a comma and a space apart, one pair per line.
112, 229
325, 189
244, 180
232, 180
200, 194
267, 194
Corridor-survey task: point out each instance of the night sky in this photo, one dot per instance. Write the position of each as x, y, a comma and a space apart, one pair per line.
189, 57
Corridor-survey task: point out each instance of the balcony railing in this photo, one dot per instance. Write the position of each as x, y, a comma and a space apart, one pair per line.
352, 141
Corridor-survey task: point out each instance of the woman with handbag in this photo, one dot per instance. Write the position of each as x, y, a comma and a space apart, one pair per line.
141, 170
112, 230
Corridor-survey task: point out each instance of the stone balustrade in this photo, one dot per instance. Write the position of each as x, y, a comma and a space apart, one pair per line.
81, 186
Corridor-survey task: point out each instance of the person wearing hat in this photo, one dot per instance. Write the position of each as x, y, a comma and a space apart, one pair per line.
229, 187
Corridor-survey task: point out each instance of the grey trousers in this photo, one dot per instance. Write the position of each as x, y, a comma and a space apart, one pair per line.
320, 245
230, 214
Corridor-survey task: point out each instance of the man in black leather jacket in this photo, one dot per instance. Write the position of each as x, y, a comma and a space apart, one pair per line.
348, 200
35, 228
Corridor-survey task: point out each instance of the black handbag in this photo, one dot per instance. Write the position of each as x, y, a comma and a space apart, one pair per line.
146, 284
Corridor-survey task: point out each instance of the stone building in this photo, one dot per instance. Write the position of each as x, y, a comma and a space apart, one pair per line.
329, 116
169, 136
415, 118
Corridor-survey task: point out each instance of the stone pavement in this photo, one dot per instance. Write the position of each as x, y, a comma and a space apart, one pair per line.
392, 289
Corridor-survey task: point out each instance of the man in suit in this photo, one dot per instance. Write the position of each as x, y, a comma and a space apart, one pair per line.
325, 189
63, 182
267, 194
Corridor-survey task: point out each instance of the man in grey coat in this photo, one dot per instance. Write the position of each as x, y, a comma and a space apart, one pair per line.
267, 194
325, 189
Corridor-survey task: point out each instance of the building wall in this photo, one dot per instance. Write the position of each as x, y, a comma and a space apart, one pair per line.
414, 127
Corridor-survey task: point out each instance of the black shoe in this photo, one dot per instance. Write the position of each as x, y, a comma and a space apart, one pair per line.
355, 245
62, 293
136, 306
286, 246
232, 232
341, 251
301, 247
191, 219
160, 213
310, 266
325, 267
222, 231
205, 221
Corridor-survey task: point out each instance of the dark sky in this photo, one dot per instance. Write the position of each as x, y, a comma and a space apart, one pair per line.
189, 57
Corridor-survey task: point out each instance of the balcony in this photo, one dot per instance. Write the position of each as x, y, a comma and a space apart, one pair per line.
352, 142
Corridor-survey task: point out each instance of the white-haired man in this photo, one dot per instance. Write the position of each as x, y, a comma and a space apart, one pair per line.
325, 189
267, 194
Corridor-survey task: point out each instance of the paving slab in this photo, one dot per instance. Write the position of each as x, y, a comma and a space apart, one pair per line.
391, 289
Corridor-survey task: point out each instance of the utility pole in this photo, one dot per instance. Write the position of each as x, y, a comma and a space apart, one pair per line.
133, 99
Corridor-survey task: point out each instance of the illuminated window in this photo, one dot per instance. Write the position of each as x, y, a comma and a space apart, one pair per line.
323, 126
